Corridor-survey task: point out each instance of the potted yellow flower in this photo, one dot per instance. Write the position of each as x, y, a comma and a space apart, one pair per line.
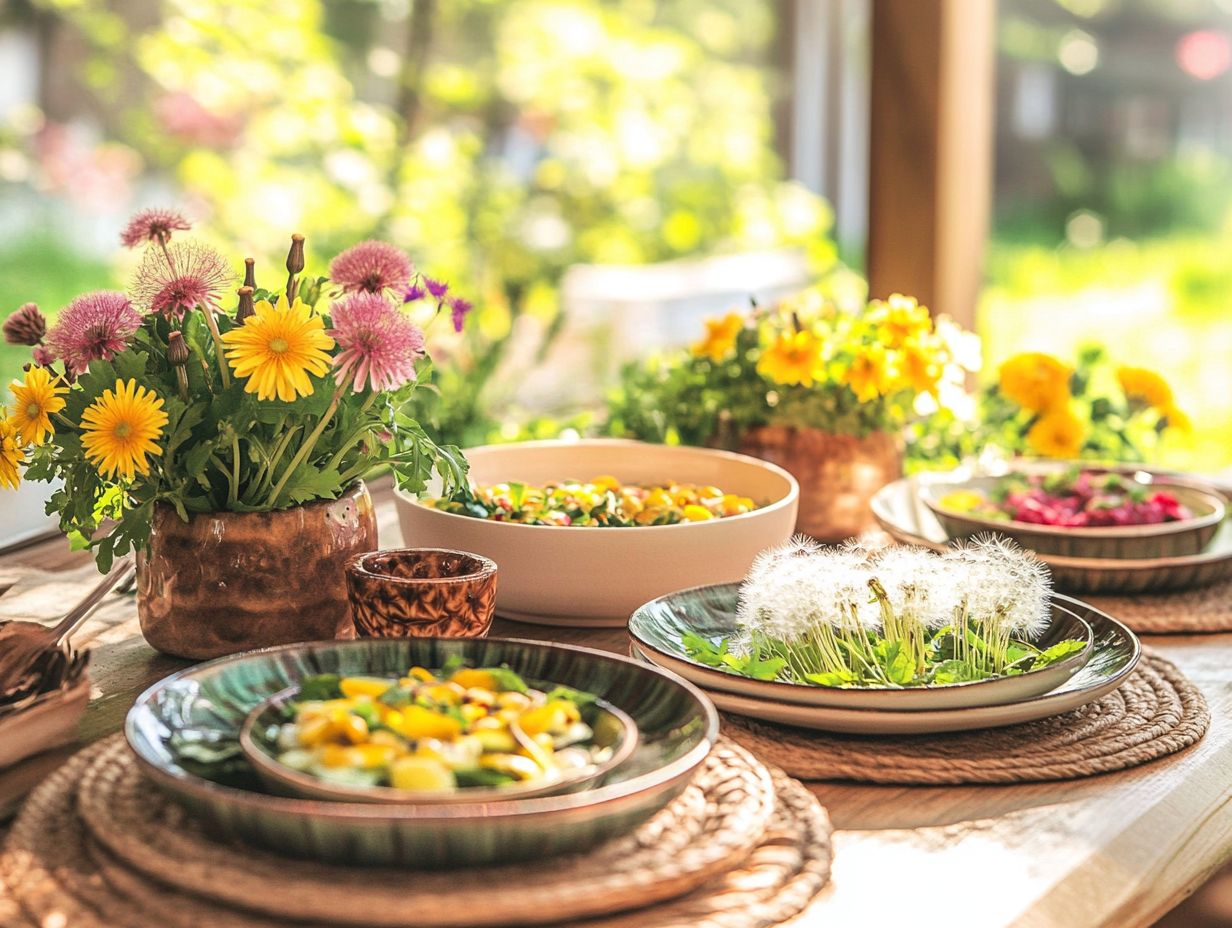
224, 434
1043, 407
820, 389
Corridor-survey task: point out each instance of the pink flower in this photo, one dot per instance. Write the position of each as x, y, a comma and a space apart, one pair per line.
377, 343
95, 325
188, 275
153, 225
459, 308
372, 267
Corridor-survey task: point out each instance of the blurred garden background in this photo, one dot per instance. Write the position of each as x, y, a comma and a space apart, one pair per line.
598, 175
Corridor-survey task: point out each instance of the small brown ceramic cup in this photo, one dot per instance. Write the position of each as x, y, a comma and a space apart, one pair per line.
421, 592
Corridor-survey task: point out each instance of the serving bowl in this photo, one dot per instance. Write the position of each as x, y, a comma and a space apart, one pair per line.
612, 727
184, 732
900, 512
597, 576
1114, 655
659, 627
1162, 539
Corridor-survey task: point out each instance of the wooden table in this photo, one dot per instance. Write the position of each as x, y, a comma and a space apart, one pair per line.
1116, 850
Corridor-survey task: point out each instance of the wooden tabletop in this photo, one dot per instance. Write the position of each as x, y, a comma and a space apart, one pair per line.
1117, 850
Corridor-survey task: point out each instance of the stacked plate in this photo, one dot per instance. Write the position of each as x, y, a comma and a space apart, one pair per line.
186, 734
661, 627
1109, 560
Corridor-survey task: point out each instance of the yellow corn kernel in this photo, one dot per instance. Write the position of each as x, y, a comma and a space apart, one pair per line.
418, 722
514, 764
508, 715
387, 739
469, 677
422, 674
543, 718
370, 756
488, 723
314, 730
473, 711
544, 740
512, 700
363, 686
606, 482
421, 774
335, 755
483, 697
696, 513
450, 694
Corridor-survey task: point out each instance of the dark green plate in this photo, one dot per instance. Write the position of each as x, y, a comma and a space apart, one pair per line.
184, 731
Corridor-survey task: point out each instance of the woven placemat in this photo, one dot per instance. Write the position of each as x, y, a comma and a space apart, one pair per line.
1205, 609
55, 865
1156, 712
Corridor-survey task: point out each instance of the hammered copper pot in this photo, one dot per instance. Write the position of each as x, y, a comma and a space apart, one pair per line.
838, 474
231, 581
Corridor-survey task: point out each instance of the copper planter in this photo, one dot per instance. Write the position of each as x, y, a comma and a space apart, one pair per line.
838, 474
230, 581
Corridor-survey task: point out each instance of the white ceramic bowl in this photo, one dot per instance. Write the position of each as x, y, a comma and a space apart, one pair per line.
588, 576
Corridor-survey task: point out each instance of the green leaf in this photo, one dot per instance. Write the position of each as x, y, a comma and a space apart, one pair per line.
1058, 652
320, 687
507, 680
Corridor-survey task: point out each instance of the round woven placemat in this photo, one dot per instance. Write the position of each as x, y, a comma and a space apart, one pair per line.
755, 849
1156, 712
1206, 609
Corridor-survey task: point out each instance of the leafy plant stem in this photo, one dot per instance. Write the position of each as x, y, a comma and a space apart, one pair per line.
305, 449
212, 324
235, 472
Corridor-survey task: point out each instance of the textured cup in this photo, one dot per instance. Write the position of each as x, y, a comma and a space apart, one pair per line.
232, 581
417, 592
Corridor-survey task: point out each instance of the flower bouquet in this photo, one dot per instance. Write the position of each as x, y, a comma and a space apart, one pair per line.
223, 433
1041, 406
820, 389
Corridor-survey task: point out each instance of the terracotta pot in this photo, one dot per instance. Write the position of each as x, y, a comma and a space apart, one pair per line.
838, 474
230, 581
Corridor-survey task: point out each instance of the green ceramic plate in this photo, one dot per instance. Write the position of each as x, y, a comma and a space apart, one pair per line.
660, 626
1114, 655
184, 731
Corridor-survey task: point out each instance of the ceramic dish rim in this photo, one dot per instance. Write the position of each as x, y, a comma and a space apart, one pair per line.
1101, 564
355, 565
368, 812
388, 795
1084, 654
1219, 510
788, 499
1126, 632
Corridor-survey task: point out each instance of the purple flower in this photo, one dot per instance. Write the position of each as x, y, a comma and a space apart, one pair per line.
438, 288
459, 308
153, 225
371, 267
414, 293
93, 326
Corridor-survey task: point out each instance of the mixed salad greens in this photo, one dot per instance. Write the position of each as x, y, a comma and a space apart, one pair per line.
602, 501
437, 731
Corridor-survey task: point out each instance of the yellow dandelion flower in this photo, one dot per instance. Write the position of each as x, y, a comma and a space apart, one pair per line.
1177, 419
1057, 434
277, 348
720, 337
1145, 386
1035, 381
920, 365
121, 428
793, 358
870, 374
899, 319
10, 453
35, 401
